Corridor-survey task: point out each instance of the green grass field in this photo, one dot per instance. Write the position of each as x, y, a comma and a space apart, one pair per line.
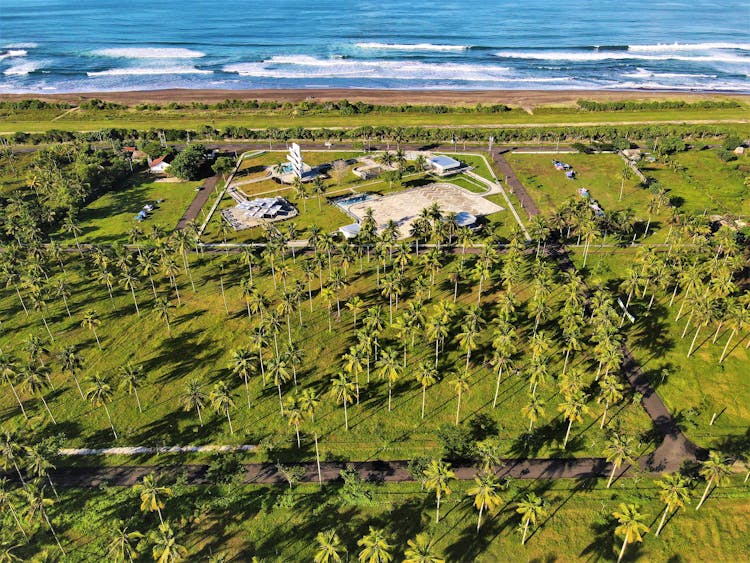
110, 218
200, 346
275, 524
695, 388
702, 181
33, 121
599, 173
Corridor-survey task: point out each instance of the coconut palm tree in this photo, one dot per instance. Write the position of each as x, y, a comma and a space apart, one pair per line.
34, 380
161, 308
426, 376
152, 494
7, 501
166, 549
437, 474
278, 369
532, 509
294, 414
460, 384
611, 393
534, 410
739, 316
485, 493
308, 402
618, 450
222, 402
341, 390
39, 458
630, 528
90, 322
241, 363
715, 470
194, 398
9, 372
355, 304
329, 547
130, 282
375, 547
674, 493
131, 377
390, 369
318, 189
573, 408
100, 393
121, 547
36, 504
9, 452
421, 550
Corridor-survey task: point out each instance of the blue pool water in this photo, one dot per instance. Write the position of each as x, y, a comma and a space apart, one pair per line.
99, 45
345, 203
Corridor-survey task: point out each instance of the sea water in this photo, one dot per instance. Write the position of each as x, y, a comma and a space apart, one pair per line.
99, 45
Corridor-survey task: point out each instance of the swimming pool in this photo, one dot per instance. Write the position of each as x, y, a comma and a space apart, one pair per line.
346, 202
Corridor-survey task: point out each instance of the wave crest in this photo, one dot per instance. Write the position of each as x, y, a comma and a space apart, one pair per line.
22, 69
147, 71
411, 46
149, 53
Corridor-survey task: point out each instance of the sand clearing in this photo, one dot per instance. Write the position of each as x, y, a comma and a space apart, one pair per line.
404, 207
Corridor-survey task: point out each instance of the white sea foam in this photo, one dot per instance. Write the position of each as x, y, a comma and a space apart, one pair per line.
22, 69
149, 53
28, 45
412, 46
584, 56
643, 73
304, 66
713, 86
671, 47
148, 71
11, 53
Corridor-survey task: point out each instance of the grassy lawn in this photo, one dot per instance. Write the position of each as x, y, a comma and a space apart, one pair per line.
702, 181
13, 173
203, 336
34, 121
599, 173
110, 218
695, 388
275, 524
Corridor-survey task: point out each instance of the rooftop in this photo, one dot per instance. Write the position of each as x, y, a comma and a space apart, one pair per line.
444, 161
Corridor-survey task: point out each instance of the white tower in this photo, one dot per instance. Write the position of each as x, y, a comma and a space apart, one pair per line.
295, 158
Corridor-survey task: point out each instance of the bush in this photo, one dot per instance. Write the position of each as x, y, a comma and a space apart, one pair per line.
355, 491
726, 155
458, 442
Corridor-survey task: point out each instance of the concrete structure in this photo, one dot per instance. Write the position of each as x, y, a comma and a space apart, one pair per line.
350, 231
295, 158
444, 165
252, 213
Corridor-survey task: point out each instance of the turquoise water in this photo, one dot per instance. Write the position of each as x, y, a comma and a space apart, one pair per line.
98, 45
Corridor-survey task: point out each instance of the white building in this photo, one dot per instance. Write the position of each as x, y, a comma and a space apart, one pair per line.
444, 165
295, 158
158, 165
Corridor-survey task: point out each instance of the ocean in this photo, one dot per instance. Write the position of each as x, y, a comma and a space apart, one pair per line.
49, 46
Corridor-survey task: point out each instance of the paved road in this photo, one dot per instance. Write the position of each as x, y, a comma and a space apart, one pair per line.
197, 204
515, 185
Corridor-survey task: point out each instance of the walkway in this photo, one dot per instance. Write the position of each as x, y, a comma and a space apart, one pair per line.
197, 204
516, 187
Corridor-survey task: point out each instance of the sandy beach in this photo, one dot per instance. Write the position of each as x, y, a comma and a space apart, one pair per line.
515, 98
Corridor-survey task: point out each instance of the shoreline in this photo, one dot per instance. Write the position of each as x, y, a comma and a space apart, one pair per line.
513, 98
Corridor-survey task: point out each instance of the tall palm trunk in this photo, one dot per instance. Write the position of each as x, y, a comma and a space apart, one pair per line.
497, 385
18, 399
567, 434
525, 529
622, 551
25, 310
458, 408
663, 519
229, 418
200, 417
135, 301
46, 406
726, 346
110, 421
705, 494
